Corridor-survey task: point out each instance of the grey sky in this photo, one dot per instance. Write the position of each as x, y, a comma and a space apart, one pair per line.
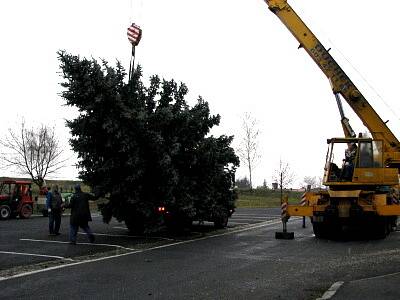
236, 54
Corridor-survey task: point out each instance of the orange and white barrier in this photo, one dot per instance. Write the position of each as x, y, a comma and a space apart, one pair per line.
303, 200
284, 210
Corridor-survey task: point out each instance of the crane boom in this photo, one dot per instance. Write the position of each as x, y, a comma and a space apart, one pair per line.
362, 189
340, 82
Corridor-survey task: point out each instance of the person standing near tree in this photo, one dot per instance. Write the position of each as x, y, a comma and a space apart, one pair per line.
56, 211
80, 214
49, 199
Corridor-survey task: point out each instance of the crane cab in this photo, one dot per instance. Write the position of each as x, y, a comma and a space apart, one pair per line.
357, 162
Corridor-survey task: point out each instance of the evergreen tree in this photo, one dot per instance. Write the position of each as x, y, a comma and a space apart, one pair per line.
144, 147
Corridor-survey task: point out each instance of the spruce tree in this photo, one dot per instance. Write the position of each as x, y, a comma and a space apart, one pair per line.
144, 147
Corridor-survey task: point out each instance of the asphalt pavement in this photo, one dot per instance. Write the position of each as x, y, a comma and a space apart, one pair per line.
244, 261
26, 242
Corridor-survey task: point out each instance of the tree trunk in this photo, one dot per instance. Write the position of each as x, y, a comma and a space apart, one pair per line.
251, 180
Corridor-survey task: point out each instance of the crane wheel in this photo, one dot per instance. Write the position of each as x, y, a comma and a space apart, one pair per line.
320, 230
380, 228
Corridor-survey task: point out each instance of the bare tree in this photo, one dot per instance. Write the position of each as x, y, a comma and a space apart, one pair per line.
248, 149
35, 152
320, 182
283, 175
310, 181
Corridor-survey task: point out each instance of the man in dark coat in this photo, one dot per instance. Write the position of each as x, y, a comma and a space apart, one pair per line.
80, 214
55, 211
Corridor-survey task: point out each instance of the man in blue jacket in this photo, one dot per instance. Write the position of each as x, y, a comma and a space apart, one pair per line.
49, 199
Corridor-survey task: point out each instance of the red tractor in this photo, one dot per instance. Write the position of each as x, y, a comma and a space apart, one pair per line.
15, 199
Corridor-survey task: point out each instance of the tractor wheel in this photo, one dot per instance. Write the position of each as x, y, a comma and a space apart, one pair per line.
26, 211
5, 212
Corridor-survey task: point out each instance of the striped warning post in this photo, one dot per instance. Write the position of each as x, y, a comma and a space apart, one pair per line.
303, 199
395, 199
303, 202
284, 210
284, 234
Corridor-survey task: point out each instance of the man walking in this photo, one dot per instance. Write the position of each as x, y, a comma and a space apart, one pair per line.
80, 214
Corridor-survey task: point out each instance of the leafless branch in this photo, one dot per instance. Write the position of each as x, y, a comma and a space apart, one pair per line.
248, 150
35, 152
283, 175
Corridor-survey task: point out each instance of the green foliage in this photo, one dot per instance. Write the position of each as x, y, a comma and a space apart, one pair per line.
144, 147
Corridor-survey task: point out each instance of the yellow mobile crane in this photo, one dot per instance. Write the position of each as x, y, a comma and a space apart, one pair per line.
363, 189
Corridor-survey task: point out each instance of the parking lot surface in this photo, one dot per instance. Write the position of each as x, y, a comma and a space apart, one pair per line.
25, 242
244, 261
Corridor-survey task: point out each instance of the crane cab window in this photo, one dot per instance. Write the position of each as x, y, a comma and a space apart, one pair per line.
336, 153
336, 161
370, 154
343, 157
366, 158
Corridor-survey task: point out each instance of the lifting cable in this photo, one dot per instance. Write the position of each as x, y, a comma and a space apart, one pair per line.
366, 81
361, 76
328, 40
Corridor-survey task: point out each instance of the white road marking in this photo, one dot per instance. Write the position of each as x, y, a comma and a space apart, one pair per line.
331, 291
33, 254
141, 236
259, 225
92, 244
243, 214
129, 236
120, 227
248, 218
258, 215
234, 222
106, 234
375, 277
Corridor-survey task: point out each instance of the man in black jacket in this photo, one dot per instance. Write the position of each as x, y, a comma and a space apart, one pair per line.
80, 214
55, 211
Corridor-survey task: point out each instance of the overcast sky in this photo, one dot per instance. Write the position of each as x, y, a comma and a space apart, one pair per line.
236, 54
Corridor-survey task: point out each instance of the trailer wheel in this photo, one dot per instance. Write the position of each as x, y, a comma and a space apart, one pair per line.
221, 222
135, 226
26, 211
178, 224
5, 212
